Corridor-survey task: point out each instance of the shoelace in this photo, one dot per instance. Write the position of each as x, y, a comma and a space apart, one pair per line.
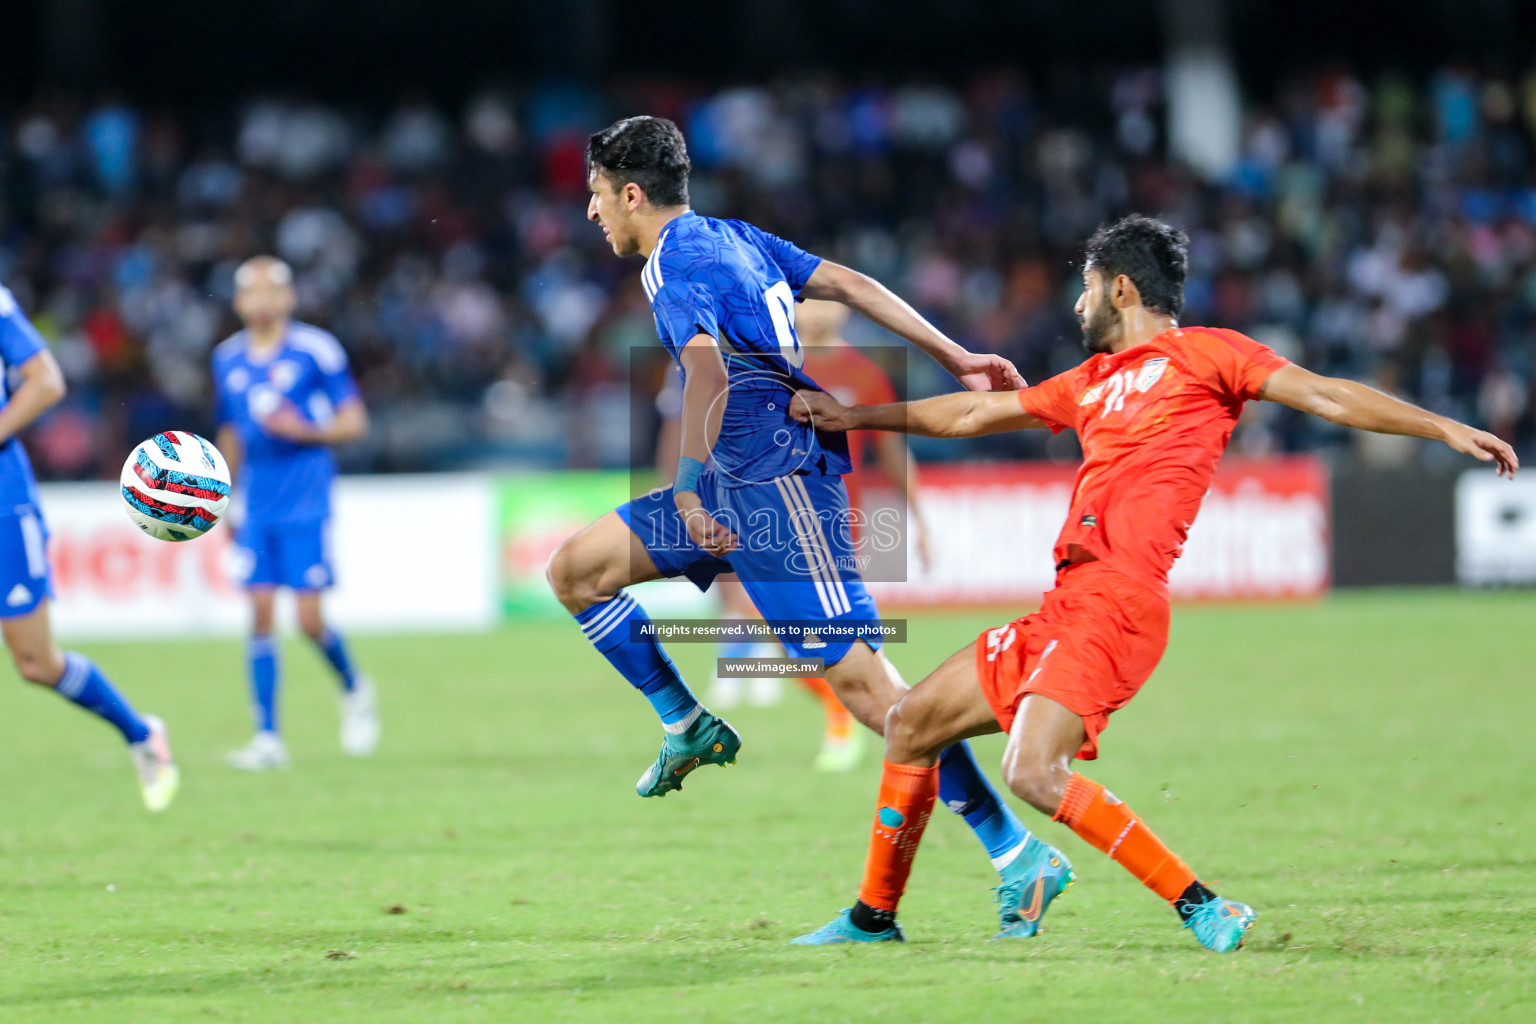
1206, 921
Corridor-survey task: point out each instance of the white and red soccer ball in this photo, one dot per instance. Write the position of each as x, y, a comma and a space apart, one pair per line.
175, 485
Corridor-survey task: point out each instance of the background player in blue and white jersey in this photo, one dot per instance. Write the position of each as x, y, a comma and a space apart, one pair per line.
25, 581
284, 396
771, 504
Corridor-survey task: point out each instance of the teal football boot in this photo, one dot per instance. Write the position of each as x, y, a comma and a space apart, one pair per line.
1221, 925
709, 740
841, 929
1036, 876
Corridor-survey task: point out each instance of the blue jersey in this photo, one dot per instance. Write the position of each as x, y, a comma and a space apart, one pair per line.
283, 482
19, 341
727, 279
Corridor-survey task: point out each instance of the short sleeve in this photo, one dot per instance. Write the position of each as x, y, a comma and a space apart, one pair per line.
1230, 363
336, 381
683, 310
19, 340
1054, 401
793, 262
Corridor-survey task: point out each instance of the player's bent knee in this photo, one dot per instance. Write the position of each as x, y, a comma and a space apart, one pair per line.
40, 669
311, 623
907, 736
571, 578
1036, 781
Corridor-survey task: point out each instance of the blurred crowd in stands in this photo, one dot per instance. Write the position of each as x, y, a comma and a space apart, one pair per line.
1383, 229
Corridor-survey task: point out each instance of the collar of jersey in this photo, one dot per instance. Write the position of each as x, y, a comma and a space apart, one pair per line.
277, 350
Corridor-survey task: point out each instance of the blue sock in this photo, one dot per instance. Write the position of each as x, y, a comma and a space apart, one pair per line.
610, 626
335, 652
83, 683
964, 790
262, 655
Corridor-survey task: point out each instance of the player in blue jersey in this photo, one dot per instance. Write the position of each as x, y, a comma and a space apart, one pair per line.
284, 396
25, 582
756, 491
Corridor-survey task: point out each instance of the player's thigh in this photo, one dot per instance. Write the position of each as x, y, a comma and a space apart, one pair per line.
255, 556
29, 638
865, 681
946, 707
597, 562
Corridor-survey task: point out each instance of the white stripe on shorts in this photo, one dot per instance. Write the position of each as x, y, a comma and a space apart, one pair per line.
32, 542
817, 560
815, 524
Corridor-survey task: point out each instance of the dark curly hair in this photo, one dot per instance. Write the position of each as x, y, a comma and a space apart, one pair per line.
648, 151
1154, 255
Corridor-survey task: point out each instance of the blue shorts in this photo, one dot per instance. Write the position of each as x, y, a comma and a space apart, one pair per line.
296, 555
25, 581
795, 559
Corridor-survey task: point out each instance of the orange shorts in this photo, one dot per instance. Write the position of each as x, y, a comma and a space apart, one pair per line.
1093, 643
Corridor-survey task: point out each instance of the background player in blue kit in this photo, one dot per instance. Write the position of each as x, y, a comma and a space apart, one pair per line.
771, 506
284, 395
25, 582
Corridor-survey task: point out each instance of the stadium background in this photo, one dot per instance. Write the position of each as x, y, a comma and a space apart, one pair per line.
1356, 764
1357, 197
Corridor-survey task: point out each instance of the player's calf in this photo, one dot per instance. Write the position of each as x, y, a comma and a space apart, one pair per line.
1106, 823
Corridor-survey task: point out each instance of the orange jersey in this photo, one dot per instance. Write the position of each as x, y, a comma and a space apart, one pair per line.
852, 378
1153, 421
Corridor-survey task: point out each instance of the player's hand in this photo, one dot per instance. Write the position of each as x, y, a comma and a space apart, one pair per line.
821, 411
286, 423
1484, 447
707, 532
986, 373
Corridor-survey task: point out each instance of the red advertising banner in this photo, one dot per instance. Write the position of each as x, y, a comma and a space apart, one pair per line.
1263, 533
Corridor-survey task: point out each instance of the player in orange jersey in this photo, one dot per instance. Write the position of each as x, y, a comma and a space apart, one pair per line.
853, 378
1154, 406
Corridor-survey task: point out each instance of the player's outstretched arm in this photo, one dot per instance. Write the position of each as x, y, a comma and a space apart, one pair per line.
961, 414
42, 385
1352, 404
884, 307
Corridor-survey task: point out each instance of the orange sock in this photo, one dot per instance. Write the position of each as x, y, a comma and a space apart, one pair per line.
839, 721
906, 800
1097, 815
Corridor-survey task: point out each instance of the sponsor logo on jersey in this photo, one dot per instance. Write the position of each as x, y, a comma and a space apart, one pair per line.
1092, 395
285, 374
238, 379
19, 595
1151, 372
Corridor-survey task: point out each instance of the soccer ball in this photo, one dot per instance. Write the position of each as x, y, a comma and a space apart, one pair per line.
176, 485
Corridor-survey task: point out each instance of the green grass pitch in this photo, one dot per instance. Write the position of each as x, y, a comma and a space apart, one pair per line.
1361, 770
